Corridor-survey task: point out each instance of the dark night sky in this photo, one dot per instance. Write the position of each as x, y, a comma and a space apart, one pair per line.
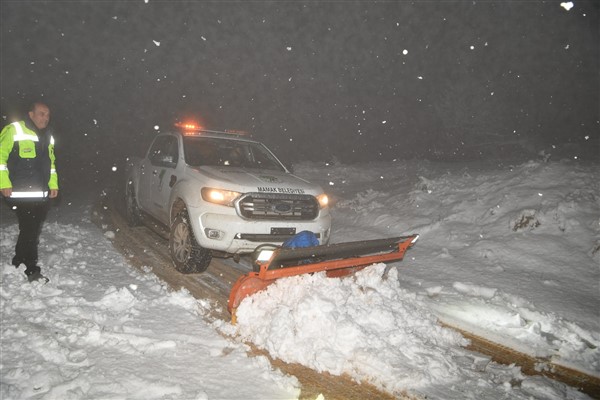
352, 81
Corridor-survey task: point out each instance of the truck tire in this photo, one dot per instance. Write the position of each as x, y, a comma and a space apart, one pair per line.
132, 210
188, 257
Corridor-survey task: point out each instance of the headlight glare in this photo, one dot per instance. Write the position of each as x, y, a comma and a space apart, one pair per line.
219, 196
323, 200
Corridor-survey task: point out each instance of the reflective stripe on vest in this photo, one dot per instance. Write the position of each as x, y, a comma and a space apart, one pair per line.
24, 195
21, 135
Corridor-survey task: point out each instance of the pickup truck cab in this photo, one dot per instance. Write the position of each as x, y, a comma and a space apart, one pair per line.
220, 194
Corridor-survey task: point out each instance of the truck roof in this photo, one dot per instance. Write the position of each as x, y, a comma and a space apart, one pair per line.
230, 135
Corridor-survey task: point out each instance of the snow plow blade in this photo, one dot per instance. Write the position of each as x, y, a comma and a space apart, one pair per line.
337, 259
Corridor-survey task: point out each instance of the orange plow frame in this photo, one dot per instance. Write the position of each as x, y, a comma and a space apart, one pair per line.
337, 259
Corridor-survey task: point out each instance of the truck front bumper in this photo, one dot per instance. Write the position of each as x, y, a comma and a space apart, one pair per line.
227, 232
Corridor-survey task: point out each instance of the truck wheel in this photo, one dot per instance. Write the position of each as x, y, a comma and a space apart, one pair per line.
132, 210
188, 257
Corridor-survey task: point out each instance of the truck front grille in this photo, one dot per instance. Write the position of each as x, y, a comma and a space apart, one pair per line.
271, 206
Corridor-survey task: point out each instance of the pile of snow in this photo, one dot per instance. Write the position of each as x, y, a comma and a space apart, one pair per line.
508, 252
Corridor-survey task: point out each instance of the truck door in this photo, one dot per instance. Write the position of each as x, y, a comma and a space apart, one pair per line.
146, 177
161, 176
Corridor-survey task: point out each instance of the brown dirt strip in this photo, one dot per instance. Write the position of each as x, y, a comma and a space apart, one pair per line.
531, 365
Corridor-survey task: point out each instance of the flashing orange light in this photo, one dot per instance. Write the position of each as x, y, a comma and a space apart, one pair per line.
188, 126
192, 128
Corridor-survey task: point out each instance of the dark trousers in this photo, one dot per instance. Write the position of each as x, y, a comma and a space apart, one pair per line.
31, 216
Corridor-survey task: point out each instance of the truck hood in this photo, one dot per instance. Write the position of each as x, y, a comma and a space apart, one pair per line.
256, 180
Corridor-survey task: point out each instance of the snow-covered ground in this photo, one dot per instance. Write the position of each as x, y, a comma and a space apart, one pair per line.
102, 330
510, 252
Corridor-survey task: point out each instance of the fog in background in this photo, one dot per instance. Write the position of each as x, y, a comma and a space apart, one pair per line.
328, 81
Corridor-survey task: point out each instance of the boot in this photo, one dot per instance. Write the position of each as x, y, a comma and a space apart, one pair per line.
35, 274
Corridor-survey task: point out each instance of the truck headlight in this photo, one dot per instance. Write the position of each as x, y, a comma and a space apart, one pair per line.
219, 196
323, 200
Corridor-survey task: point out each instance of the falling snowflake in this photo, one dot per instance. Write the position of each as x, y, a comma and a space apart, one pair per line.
567, 6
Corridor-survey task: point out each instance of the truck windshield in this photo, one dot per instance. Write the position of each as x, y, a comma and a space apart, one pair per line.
215, 152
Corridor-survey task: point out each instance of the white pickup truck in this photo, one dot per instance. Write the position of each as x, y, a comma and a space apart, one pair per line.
220, 194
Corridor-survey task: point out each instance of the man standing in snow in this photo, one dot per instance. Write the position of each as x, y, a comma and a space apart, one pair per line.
27, 180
